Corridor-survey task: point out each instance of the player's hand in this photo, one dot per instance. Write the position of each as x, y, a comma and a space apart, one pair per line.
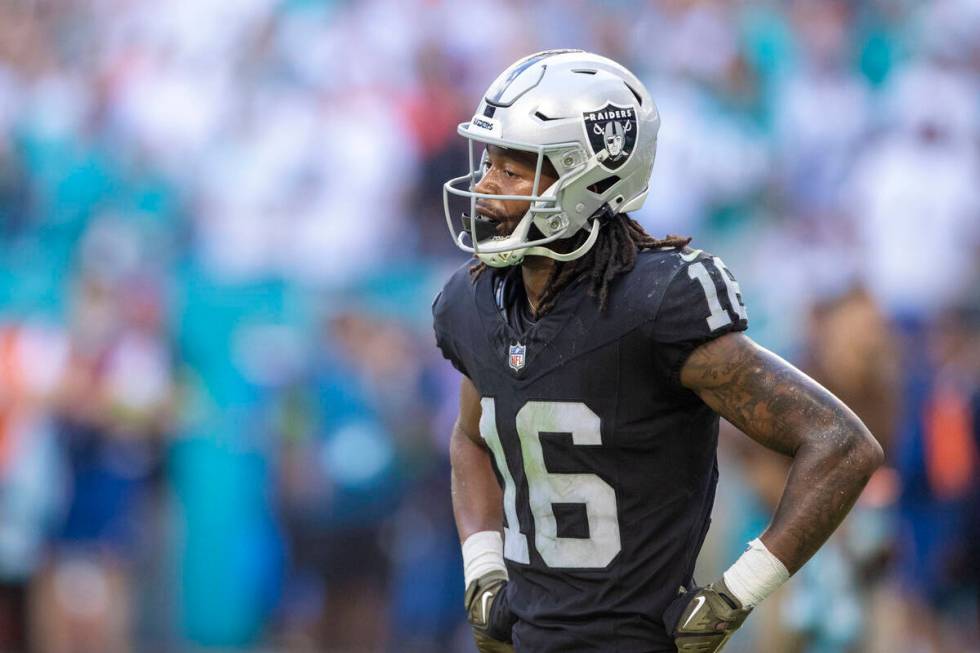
489, 614
702, 620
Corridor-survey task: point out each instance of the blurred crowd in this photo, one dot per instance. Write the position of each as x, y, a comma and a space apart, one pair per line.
223, 420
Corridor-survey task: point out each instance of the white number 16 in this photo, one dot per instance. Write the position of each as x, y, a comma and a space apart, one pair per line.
719, 316
546, 488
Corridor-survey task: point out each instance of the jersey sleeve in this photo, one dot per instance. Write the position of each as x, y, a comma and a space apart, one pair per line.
444, 340
702, 302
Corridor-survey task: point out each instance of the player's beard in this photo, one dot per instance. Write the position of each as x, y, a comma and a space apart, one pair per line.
506, 224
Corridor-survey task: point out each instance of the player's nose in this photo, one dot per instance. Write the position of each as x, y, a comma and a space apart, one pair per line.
486, 185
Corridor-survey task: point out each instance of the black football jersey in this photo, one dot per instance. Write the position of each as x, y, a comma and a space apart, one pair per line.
606, 461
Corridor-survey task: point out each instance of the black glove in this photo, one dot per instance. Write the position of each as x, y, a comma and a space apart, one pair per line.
489, 614
702, 620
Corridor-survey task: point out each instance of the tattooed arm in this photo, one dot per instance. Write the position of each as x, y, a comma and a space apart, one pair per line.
778, 406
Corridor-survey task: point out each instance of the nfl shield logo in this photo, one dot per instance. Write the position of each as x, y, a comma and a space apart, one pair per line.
517, 357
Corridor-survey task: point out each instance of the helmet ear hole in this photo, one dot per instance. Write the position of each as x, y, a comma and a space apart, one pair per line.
601, 186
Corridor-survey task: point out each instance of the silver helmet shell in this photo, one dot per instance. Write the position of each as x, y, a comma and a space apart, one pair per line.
597, 125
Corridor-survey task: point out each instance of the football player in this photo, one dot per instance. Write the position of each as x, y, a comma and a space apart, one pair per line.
596, 361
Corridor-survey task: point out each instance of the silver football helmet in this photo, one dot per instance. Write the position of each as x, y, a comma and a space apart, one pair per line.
597, 125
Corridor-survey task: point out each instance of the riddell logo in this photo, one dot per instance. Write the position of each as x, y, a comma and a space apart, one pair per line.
483, 124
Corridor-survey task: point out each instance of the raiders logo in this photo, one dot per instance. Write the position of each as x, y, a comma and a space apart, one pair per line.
611, 129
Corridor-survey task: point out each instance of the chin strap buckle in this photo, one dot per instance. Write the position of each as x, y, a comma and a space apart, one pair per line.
605, 212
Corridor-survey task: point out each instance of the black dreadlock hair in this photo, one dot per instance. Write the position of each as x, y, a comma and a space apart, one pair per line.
613, 254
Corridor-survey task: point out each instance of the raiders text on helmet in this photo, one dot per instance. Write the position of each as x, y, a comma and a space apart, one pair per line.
593, 120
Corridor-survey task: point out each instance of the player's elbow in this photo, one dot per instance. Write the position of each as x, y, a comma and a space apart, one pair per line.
862, 451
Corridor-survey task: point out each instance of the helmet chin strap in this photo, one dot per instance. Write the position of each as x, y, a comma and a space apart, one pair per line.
594, 224
578, 252
516, 256
503, 259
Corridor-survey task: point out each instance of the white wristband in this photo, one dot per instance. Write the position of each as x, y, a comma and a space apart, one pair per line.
755, 575
483, 552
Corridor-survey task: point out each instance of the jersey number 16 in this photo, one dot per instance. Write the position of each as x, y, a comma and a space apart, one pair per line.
546, 488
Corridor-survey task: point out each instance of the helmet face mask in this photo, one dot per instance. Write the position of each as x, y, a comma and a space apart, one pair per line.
545, 211
597, 126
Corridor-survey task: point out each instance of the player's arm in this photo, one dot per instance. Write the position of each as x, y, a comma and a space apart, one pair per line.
477, 498
783, 409
833, 455
477, 506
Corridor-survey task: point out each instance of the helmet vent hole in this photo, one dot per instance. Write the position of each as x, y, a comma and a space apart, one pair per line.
582, 71
540, 116
603, 185
639, 99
